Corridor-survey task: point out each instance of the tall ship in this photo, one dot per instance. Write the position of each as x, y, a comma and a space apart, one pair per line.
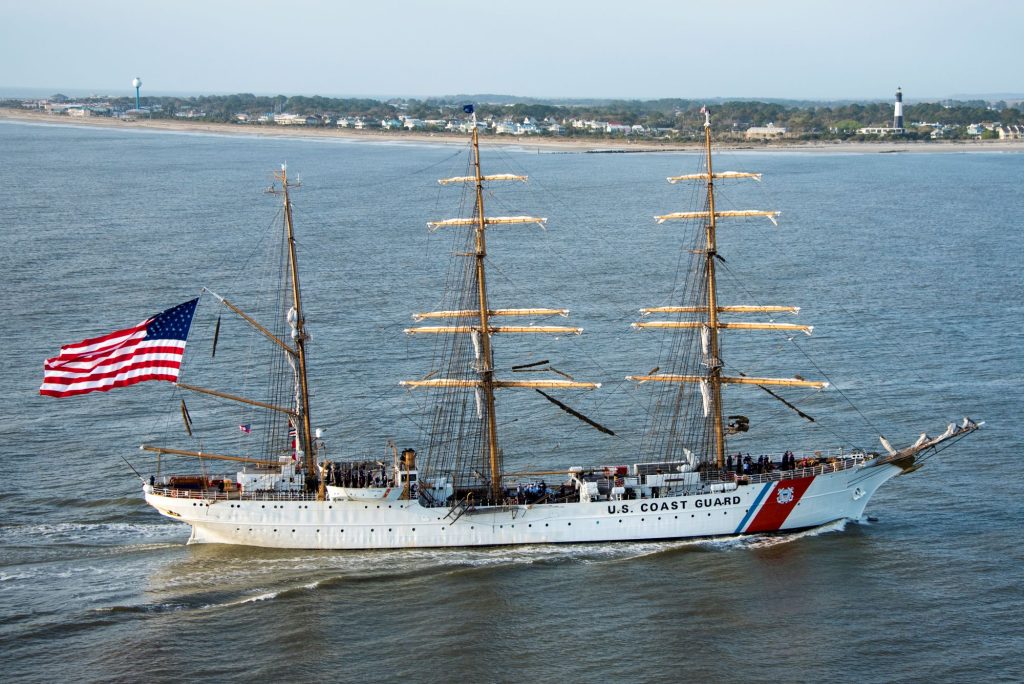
454, 490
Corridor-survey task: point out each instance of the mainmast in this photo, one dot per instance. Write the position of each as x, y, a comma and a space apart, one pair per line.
486, 355
298, 323
477, 321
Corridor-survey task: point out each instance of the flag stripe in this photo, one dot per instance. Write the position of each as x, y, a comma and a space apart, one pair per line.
102, 343
154, 350
168, 361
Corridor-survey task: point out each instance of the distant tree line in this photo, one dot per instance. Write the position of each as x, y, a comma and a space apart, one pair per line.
807, 120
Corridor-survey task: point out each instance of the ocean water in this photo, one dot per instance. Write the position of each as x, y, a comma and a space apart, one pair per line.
909, 266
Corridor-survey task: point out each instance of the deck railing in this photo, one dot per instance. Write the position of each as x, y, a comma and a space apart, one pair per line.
217, 495
838, 462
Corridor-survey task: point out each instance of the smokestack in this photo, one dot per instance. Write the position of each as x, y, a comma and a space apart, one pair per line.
897, 117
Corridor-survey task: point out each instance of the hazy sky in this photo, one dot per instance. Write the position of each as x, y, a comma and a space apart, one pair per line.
817, 49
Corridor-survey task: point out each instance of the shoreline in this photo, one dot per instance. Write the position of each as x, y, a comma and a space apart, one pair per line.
552, 144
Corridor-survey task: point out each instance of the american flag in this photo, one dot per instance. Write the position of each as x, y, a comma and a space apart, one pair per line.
245, 427
293, 437
151, 350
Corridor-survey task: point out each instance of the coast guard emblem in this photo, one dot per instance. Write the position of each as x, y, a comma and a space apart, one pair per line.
785, 495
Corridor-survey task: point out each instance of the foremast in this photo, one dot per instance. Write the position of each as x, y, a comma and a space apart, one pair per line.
481, 329
712, 379
714, 362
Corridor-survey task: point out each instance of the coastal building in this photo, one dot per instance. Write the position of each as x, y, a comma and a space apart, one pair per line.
286, 119
1011, 132
769, 132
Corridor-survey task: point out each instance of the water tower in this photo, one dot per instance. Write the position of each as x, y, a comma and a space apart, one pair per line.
137, 83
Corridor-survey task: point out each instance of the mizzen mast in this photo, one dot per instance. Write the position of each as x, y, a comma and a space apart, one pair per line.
297, 321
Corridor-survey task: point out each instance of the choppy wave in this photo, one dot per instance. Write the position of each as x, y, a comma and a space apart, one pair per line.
85, 533
767, 541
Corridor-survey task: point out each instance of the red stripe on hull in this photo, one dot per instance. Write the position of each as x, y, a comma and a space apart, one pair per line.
780, 504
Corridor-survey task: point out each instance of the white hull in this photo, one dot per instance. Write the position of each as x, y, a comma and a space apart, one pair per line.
777, 505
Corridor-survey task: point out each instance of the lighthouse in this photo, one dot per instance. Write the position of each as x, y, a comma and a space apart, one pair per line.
897, 114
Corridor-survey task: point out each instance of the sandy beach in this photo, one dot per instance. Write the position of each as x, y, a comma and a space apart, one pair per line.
559, 144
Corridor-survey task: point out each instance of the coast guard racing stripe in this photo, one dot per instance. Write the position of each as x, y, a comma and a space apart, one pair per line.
779, 504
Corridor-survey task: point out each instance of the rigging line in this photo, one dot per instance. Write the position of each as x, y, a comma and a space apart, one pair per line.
818, 424
934, 451
791, 340
394, 179
496, 269
772, 239
256, 246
